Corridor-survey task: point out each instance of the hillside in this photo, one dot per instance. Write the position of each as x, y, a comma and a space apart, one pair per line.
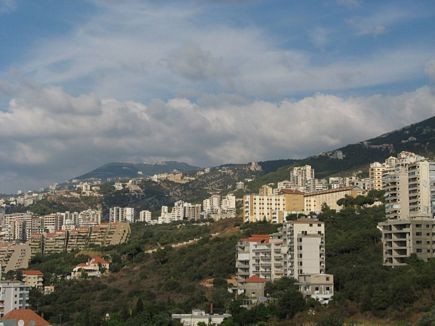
418, 138
147, 288
131, 170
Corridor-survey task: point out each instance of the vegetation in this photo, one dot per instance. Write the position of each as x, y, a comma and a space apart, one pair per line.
144, 289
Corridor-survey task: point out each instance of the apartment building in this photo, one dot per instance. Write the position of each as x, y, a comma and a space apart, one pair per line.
145, 216
274, 208
89, 218
409, 186
297, 250
405, 236
14, 256
376, 172
410, 189
121, 214
33, 278
13, 295
17, 226
101, 235
52, 222
266, 207
192, 211
300, 176
259, 255
314, 201
217, 207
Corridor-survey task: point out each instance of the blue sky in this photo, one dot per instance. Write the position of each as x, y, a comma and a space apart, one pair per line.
206, 82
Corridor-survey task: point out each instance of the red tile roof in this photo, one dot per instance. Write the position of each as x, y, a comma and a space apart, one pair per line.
99, 260
264, 238
255, 279
26, 315
33, 272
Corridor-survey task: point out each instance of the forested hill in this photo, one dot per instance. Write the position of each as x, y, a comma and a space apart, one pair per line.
418, 138
131, 170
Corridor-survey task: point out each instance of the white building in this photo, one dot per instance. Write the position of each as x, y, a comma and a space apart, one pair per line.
410, 188
218, 208
300, 176
200, 316
121, 214
13, 295
145, 216
297, 250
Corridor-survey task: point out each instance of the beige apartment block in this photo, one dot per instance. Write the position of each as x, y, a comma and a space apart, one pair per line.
314, 201
14, 256
403, 237
100, 235
274, 208
376, 172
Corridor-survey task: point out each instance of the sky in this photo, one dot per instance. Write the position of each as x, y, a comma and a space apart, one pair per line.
207, 82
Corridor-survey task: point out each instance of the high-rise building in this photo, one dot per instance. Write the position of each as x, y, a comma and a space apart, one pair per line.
409, 185
410, 189
121, 214
300, 176
145, 216
297, 250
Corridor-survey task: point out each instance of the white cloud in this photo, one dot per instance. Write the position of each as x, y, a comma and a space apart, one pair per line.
144, 51
53, 135
381, 21
320, 36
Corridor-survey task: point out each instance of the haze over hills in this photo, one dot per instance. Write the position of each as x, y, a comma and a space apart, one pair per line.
130, 170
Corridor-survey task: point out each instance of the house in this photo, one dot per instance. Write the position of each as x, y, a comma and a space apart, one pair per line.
253, 289
33, 278
23, 317
94, 267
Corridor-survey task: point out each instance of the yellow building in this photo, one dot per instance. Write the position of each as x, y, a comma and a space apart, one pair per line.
314, 201
274, 208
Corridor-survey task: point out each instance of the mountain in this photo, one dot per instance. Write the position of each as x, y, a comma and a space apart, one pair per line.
130, 170
418, 138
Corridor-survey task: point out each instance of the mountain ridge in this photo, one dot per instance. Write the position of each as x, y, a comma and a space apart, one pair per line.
115, 170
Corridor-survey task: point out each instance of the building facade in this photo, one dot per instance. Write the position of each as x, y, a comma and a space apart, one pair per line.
297, 251
13, 295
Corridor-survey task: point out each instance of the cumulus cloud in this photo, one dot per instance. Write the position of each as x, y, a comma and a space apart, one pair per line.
49, 135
